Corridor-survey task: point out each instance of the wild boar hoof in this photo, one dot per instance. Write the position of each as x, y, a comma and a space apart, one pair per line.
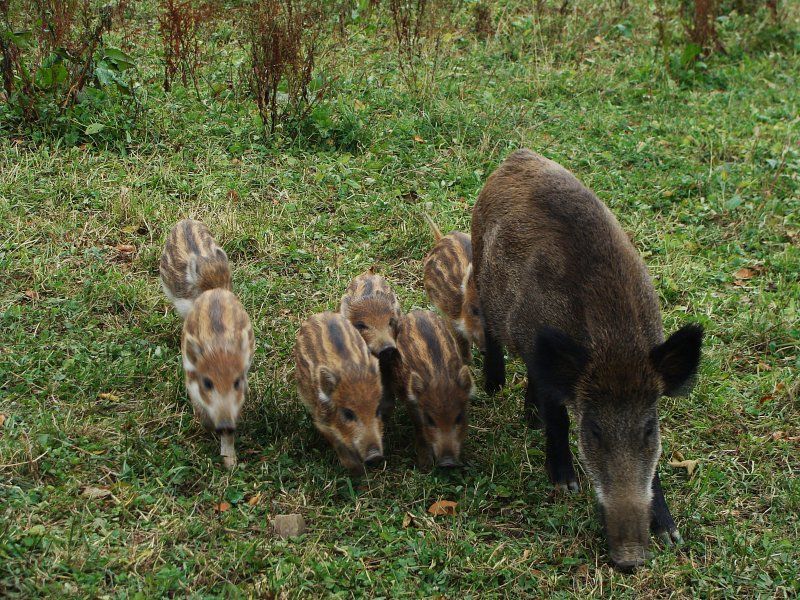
669, 538
230, 461
571, 487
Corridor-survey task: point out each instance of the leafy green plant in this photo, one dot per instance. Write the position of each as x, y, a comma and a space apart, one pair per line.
52, 55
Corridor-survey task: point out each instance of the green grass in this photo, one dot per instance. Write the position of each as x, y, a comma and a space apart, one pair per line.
703, 172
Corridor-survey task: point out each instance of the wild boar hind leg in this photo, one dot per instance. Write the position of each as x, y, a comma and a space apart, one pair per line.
662, 525
494, 366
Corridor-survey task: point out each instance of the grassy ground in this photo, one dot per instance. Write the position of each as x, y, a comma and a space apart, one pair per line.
702, 169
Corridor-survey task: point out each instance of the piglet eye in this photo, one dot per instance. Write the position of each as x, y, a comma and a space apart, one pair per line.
476, 312
361, 326
429, 420
208, 384
378, 413
649, 429
237, 385
348, 415
460, 418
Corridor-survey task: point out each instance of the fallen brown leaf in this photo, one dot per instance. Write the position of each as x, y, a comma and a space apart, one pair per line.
32, 294
95, 492
745, 273
255, 499
419, 140
2, 419
125, 248
222, 507
689, 465
233, 195
287, 526
443, 507
765, 398
408, 519
108, 396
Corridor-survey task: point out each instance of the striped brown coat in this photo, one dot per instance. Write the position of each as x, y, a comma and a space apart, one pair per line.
191, 264
372, 307
436, 385
217, 346
339, 382
449, 282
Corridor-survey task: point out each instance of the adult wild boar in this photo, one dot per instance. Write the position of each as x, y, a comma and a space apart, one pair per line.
562, 286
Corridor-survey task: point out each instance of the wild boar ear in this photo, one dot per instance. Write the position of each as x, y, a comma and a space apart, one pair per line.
328, 380
677, 359
558, 360
465, 379
222, 255
193, 352
415, 387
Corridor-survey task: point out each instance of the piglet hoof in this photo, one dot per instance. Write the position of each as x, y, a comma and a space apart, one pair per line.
229, 460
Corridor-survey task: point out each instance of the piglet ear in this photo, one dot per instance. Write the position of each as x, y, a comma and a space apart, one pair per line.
677, 359
465, 379
328, 380
467, 277
558, 361
221, 255
192, 269
192, 352
344, 307
416, 386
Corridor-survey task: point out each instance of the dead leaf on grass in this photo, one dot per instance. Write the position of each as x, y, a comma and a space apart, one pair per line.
689, 465
222, 507
32, 294
408, 519
745, 273
2, 419
255, 499
443, 507
95, 492
108, 396
125, 248
418, 139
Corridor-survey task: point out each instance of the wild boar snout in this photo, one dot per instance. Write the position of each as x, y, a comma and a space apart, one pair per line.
627, 526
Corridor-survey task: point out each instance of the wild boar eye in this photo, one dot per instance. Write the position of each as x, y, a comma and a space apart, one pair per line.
378, 412
429, 420
237, 384
649, 429
208, 384
476, 312
460, 418
348, 415
392, 322
361, 326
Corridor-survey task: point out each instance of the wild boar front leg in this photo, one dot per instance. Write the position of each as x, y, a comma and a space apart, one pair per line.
532, 414
662, 525
558, 456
